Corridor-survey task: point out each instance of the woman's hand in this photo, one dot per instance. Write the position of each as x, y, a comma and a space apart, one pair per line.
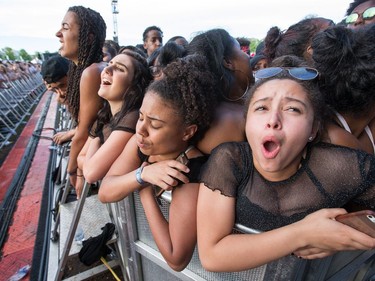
165, 174
324, 236
62, 137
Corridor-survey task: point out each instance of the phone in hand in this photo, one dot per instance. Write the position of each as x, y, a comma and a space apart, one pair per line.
182, 158
363, 221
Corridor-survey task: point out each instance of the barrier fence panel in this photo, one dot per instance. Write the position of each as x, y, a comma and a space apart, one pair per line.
147, 264
141, 260
17, 100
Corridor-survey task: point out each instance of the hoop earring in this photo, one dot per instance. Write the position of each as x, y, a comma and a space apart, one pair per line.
244, 94
239, 98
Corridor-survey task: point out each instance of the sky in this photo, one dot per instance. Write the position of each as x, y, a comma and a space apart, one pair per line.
32, 25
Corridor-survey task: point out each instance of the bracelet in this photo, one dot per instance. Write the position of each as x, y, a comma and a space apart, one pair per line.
138, 173
80, 176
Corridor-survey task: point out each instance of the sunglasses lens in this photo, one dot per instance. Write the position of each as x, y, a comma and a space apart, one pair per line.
267, 72
369, 13
300, 73
351, 18
303, 73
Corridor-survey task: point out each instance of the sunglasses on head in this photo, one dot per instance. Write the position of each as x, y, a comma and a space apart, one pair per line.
300, 73
368, 14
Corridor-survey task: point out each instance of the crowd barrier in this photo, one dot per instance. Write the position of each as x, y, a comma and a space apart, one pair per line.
17, 100
139, 258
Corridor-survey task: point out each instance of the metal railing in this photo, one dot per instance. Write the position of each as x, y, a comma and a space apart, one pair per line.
141, 259
17, 99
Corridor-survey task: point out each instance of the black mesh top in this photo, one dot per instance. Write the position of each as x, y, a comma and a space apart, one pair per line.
127, 123
329, 177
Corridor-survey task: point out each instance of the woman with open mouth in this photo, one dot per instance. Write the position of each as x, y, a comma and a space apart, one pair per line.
123, 83
283, 183
82, 34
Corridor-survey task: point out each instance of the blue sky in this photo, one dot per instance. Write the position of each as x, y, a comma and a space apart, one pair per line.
32, 25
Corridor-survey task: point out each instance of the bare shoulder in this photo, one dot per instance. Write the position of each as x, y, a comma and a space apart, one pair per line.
228, 126
230, 112
339, 136
93, 70
90, 81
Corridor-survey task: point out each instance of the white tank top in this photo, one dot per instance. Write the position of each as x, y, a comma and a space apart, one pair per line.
347, 128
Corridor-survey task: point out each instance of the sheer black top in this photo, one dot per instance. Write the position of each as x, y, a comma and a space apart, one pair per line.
330, 176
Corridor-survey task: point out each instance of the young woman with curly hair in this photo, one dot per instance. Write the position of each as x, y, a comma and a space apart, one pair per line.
176, 112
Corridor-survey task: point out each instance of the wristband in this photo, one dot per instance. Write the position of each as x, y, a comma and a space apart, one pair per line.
138, 173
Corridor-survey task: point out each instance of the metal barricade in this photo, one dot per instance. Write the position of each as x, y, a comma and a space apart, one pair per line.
144, 261
17, 100
141, 256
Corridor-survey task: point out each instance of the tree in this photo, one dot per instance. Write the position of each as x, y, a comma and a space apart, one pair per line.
254, 42
38, 55
24, 55
9, 53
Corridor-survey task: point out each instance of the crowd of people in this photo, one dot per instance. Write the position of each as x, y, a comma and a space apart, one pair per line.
282, 142
14, 70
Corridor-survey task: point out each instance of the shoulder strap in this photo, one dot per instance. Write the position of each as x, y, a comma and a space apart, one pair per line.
343, 121
369, 133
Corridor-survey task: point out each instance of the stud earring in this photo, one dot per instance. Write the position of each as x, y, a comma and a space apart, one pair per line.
311, 138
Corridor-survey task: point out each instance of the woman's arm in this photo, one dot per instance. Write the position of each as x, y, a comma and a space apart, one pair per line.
82, 154
176, 240
80, 159
90, 103
120, 180
62, 137
100, 158
316, 236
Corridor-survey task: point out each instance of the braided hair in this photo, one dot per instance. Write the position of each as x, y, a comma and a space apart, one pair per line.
92, 32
